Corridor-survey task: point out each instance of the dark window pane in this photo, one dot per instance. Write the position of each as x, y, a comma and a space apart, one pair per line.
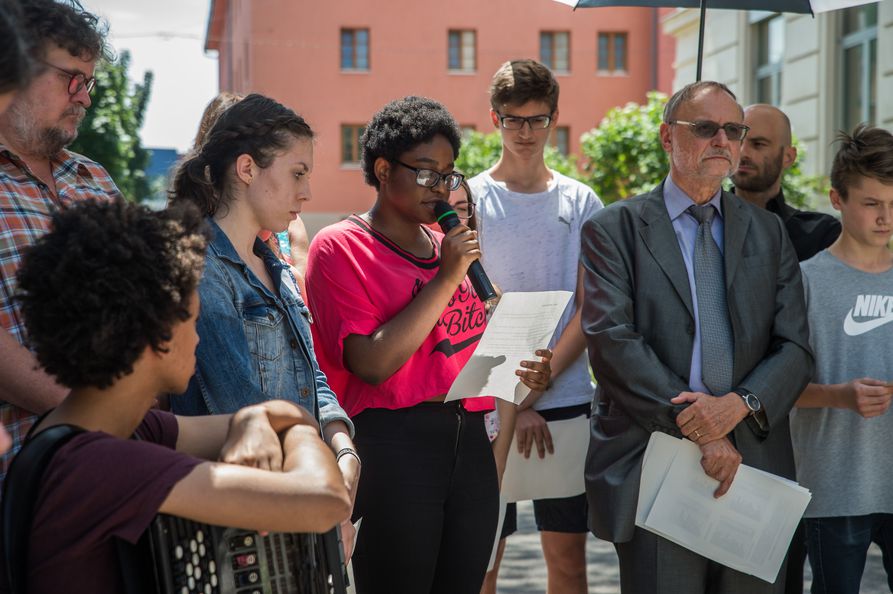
362, 49
861, 17
546, 50
562, 52
620, 51
346, 49
562, 140
346, 144
604, 50
872, 82
852, 96
454, 46
764, 90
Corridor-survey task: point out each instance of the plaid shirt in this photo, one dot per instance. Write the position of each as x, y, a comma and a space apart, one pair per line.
26, 210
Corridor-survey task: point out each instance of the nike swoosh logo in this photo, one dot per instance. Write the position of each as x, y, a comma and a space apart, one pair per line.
449, 349
854, 328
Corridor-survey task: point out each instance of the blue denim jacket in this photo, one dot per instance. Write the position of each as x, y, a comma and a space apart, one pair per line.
255, 345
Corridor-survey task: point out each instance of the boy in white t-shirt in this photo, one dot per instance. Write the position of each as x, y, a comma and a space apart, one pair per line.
529, 220
841, 428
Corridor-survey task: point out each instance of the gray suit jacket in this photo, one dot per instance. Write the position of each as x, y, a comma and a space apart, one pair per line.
639, 325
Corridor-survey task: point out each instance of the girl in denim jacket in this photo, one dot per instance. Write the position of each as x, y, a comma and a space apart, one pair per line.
253, 173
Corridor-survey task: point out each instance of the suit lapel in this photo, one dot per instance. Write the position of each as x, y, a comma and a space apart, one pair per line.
659, 235
735, 225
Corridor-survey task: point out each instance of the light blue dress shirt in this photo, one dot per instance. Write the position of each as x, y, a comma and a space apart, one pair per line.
686, 227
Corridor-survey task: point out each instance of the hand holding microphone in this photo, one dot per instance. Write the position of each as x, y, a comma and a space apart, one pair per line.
448, 219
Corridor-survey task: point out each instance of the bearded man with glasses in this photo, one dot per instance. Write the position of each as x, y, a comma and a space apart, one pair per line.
696, 325
37, 177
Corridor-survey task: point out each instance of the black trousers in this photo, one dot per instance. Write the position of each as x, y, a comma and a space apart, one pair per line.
429, 499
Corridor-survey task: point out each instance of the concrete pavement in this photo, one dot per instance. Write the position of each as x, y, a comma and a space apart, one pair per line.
524, 571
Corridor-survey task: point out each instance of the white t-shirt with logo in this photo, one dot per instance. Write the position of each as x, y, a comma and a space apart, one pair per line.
843, 458
531, 242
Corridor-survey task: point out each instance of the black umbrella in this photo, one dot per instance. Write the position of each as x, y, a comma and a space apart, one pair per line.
799, 6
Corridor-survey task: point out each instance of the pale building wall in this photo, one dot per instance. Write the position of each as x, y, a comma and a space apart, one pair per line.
810, 92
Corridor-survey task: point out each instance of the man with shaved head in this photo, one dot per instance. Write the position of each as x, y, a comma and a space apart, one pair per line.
766, 153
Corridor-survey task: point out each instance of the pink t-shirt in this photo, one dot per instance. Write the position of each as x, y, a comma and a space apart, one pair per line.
357, 279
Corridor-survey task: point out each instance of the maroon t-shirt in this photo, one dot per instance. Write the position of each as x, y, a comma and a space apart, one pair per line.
98, 487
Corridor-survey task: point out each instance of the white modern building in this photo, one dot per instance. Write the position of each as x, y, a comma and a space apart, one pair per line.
828, 72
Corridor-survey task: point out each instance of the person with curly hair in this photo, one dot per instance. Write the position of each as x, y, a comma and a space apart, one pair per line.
37, 177
396, 319
251, 173
110, 304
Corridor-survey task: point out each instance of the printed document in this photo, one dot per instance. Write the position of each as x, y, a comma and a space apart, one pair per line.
523, 323
748, 529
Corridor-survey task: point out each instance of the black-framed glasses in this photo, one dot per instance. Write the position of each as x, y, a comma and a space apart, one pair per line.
77, 81
429, 178
537, 122
464, 209
708, 129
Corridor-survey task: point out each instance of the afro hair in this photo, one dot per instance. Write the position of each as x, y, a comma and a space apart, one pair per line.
402, 125
107, 281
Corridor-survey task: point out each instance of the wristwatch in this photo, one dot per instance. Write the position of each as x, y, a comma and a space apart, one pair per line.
755, 407
750, 399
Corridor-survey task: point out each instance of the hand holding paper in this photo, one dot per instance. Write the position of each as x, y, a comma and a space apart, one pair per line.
522, 325
748, 529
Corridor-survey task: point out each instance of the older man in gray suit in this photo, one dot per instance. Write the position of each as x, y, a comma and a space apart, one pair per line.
696, 326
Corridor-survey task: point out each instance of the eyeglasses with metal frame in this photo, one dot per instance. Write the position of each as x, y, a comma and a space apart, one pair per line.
708, 129
464, 209
428, 178
537, 122
77, 80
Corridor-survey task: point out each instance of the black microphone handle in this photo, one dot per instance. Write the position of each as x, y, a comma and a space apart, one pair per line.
482, 285
448, 219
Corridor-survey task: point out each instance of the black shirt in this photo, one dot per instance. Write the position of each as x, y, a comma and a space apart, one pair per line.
810, 232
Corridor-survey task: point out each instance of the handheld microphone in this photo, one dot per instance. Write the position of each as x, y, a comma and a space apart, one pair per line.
447, 219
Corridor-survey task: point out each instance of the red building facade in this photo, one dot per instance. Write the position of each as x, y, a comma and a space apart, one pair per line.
338, 62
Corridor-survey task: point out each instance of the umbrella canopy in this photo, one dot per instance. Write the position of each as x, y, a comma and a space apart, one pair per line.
799, 6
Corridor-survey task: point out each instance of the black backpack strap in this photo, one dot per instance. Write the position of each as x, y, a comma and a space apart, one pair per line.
21, 489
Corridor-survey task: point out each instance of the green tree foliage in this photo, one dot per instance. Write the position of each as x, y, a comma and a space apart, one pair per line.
803, 190
623, 155
109, 133
481, 151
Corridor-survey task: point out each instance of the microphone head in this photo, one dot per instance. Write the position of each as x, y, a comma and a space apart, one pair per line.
446, 216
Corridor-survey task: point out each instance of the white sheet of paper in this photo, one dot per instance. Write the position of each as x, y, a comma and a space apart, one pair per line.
521, 324
748, 529
655, 465
352, 586
557, 475
495, 549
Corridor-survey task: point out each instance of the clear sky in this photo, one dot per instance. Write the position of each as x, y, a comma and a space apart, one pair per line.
166, 37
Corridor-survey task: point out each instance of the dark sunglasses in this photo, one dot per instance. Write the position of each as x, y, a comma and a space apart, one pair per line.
708, 129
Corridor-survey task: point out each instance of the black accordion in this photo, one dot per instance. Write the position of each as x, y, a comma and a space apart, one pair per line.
191, 557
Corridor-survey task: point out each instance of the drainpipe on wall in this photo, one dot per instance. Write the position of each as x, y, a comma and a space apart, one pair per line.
655, 37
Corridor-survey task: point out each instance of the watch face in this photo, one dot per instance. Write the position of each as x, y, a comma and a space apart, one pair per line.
753, 403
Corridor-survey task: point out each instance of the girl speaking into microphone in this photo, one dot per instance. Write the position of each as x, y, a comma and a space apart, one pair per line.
395, 321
